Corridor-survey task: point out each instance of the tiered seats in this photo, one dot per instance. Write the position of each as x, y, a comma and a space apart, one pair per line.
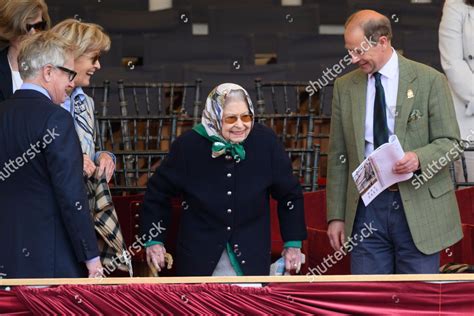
151, 117
164, 49
422, 46
139, 121
264, 22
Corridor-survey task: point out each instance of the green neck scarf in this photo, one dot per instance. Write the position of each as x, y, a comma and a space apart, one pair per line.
220, 146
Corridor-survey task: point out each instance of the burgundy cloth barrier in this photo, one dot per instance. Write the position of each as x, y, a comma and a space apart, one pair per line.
321, 252
465, 199
373, 298
11, 305
315, 209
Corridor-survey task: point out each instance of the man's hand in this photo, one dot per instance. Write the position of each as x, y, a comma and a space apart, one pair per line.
409, 163
95, 269
292, 258
155, 256
106, 165
89, 166
336, 234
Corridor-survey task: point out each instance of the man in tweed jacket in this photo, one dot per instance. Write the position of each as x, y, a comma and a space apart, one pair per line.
412, 221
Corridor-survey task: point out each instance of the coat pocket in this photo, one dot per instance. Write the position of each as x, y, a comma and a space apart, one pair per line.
440, 188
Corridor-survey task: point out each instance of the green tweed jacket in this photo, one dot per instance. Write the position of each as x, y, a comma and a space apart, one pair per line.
426, 124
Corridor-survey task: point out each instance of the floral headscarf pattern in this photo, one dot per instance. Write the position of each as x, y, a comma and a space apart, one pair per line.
211, 122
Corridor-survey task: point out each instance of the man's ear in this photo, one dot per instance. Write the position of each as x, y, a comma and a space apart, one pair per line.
383, 40
48, 73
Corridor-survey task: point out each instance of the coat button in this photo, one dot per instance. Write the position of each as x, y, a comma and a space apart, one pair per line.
229, 210
229, 175
470, 57
228, 228
229, 193
242, 262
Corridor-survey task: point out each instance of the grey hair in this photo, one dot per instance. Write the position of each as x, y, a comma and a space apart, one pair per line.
40, 50
235, 95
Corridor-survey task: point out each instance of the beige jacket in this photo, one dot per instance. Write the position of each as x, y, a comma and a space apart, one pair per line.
456, 45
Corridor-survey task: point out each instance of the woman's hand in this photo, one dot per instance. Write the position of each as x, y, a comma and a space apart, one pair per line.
106, 165
89, 166
155, 256
292, 258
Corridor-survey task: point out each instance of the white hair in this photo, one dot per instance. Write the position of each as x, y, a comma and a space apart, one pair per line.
40, 50
235, 95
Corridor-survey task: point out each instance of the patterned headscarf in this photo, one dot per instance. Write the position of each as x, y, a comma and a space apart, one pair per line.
211, 121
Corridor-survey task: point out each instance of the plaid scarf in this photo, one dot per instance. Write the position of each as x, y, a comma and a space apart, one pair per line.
111, 243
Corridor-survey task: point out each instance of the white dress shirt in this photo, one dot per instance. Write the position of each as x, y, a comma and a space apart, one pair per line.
389, 78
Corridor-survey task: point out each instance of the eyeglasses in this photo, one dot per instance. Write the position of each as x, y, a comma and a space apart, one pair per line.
72, 74
40, 26
231, 119
94, 58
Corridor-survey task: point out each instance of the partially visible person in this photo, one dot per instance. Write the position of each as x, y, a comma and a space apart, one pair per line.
91, 41
456, 45
225, 169
46, 230
18, 20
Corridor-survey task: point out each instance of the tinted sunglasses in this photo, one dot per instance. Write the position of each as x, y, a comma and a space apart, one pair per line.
94, 58
231, 119
40, 26
71, 73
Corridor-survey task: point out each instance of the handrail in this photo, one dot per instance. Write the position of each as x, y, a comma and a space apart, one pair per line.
246, 279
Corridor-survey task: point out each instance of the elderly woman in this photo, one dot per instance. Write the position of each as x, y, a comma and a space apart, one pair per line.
225, 169
90, 41
18, 19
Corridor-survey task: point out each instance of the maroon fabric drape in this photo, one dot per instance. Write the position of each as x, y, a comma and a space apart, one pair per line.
376, 298
11, 305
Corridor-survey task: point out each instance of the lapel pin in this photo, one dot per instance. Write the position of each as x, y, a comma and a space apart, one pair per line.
410, 94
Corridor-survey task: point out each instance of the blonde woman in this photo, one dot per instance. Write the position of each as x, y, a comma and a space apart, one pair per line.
18, 20
91, 41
